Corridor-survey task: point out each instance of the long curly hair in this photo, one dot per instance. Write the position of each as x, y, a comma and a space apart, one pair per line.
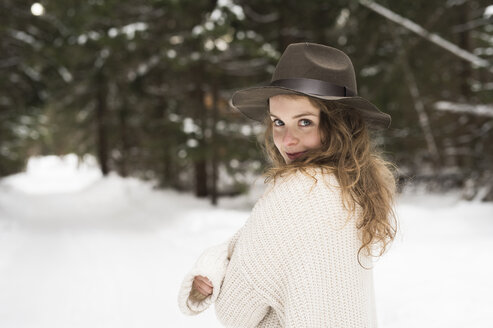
365, 178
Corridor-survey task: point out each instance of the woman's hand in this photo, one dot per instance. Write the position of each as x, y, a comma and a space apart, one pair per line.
203, 285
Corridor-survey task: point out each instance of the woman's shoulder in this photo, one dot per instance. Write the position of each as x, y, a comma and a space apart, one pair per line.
306, 175
301, 200
292, 183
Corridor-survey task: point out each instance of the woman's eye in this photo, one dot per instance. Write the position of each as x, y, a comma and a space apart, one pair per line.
277, 122
305, 122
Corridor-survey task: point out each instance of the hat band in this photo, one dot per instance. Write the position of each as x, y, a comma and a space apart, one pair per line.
315, 87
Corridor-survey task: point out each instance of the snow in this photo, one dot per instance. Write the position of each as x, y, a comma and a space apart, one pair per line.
488, 12
80, 250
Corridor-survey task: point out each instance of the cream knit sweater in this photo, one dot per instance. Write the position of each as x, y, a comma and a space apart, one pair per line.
293, 264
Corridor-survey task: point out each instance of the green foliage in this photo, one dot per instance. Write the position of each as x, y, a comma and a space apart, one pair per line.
134, 82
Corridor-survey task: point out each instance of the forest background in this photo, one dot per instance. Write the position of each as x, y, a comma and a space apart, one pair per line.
144, 86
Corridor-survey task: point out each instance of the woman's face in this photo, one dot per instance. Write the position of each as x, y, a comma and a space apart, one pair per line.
295, 125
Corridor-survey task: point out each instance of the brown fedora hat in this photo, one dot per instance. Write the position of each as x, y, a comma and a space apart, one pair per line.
312, 70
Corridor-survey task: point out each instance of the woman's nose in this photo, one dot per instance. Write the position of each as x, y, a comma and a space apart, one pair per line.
289, 138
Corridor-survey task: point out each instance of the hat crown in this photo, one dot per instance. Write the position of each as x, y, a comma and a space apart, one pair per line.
315, 71
317, 62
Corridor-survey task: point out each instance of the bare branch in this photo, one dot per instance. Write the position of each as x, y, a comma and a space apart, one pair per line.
259, 18
432, 37
478, 110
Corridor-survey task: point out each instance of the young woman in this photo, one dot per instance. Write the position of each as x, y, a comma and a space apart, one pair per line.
304, 256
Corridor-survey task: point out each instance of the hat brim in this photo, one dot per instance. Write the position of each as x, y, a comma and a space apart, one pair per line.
254, 102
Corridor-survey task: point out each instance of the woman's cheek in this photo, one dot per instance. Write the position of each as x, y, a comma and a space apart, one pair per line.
314, 139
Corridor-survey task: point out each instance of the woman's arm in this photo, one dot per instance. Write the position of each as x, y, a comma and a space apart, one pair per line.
212, 263
239, 304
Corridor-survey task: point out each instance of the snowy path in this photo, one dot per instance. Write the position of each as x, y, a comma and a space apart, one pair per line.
112, 252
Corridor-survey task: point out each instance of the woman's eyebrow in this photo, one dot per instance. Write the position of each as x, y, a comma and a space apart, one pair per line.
299, 115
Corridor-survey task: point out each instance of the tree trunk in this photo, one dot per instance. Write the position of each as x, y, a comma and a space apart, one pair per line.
423, 119
465, 43
123, 127
283, 39
213, 144
167, 177
200, 178
200, 164
464, 77
101, 124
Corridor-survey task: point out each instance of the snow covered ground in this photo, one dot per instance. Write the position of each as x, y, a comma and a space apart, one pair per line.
79, 250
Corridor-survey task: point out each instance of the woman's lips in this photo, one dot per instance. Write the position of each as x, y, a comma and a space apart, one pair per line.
295, 155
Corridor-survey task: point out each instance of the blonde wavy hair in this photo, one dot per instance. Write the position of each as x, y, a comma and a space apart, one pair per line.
364, 177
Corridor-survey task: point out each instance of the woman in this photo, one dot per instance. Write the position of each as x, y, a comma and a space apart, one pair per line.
303, 258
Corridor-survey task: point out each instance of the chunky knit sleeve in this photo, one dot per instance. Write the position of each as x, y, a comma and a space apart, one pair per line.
297, 257
239, 304
212, 263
